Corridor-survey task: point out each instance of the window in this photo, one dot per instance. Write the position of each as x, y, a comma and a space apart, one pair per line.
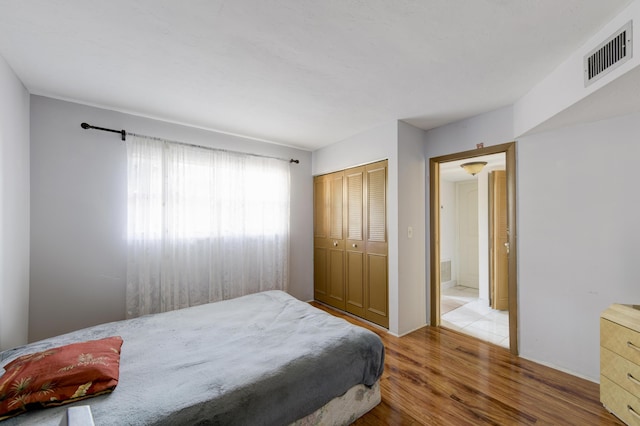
213, 223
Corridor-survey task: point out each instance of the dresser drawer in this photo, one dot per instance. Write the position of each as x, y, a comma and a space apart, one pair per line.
620, 402
623, 372
621, 340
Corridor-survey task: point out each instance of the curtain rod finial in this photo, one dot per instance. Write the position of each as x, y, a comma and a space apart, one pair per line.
85, 126
294, 161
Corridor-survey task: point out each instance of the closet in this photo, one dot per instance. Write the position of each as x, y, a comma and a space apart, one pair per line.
350, 241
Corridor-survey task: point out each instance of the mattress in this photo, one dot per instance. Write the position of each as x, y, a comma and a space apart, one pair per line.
262, 359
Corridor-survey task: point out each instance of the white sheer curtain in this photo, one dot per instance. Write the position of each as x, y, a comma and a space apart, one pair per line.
203, 225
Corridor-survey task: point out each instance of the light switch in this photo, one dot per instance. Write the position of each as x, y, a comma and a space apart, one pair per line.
410, 232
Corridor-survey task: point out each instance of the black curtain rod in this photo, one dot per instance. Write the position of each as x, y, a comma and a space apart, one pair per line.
123, 133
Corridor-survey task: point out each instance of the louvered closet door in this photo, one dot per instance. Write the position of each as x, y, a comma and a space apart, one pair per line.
350, 241
336, 243
355, 246
320, 238
377, 288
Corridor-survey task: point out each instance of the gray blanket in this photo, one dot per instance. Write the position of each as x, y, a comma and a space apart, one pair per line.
262, 359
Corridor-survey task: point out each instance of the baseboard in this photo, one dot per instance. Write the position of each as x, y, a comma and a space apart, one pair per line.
449, 284
564, 370
411, 331
349, 314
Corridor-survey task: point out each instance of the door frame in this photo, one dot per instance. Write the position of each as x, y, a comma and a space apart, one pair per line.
509, 149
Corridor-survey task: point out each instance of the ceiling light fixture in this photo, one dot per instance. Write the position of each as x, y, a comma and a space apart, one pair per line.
474, 167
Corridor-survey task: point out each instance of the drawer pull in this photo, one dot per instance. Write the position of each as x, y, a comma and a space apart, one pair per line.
633, 379
632, 411
632, 346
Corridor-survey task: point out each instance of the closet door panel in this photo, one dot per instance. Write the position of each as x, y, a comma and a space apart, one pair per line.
329, 262
320, 207
336, 278
336, 242
377, 288
321, 238
336, 207
320, 280
355, 204
377, 298
377, 203
355, 283
355, 272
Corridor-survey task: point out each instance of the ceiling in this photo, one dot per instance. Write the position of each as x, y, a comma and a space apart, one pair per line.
303, 73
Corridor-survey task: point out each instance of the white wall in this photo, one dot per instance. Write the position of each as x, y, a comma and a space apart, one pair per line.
579, 237
565, 85
412, 297
578, 233
14, 209
376, 144
448, 228
467, 244
405, 207
492, 128
78, 211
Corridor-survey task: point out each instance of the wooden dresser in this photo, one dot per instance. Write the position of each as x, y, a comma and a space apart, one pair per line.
620, 362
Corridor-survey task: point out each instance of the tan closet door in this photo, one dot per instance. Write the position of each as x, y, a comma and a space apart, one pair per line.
320, 238
377, 289
336, 260
350, 241
355, 260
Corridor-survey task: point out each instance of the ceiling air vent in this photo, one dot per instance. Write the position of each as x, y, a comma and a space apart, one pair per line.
609, 55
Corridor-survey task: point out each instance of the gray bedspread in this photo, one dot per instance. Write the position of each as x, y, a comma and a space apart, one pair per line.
262, 359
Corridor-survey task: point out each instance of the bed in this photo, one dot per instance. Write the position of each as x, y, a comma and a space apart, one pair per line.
262, 359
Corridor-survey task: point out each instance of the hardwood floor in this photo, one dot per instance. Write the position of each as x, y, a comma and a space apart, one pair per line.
435, 376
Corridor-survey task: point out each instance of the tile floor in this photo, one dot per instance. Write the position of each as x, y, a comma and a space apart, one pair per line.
461, 310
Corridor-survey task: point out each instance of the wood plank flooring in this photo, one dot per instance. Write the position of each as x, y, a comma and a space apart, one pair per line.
435, 376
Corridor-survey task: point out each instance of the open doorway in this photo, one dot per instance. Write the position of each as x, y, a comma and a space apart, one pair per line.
473, 285
473, 277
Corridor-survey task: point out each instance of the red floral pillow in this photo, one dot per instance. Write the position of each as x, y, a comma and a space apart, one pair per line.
60, 375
